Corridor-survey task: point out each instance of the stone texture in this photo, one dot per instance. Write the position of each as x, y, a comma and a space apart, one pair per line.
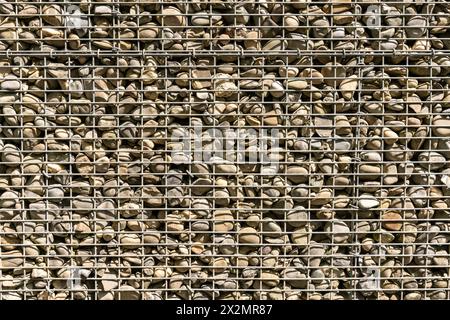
134, 163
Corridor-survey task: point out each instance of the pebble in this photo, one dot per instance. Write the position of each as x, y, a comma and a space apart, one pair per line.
274, 44
441, 127
109, 281
11, 259
127, 292
368, 201
11, 154
416, 27
171, 17
226, 169
10, 83
333, 73
205, 19
297, 174
297, 84
9, 199
348, 87
441, 258
320, 28
297, 217
53, 15
392, 221
102, 10
248, 236
148, 31
337, 231
270, 279
301, 236
324, 126
223, 221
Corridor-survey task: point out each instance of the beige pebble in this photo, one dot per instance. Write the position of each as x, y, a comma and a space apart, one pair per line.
53, 15
171, 17
337, 230
11, 155
393, 221
348, 87
223, 221
333, 73
297, 84
441, 127
297, 174
11, 259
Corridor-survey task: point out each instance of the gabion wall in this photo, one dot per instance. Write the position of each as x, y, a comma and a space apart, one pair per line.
224, 149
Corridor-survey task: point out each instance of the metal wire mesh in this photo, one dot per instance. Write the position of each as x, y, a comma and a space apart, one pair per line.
224, 150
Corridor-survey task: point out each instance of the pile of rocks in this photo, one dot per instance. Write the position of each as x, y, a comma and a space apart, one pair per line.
348, 199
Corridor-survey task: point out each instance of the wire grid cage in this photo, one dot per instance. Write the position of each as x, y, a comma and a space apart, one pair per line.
224, 150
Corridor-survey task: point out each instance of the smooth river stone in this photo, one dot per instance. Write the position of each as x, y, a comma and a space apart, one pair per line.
348, 86
441, 127
297, 217
323, 126
11, 259
223, 220
297, 174
337, 231
394, 225
10, 83
416, 27
333, 73
172, 17
301, 236
297, 84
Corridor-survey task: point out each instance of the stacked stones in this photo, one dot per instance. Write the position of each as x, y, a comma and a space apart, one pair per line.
99, 202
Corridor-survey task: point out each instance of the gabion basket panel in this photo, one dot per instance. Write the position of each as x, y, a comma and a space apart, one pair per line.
280, 150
